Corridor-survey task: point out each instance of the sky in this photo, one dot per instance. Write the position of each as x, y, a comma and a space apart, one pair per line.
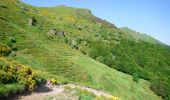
146, 16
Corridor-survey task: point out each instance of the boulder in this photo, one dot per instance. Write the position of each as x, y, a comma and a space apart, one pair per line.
61, 33
52, 32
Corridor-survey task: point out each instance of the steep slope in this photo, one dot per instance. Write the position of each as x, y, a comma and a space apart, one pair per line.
59, 41
120, 48
113, 81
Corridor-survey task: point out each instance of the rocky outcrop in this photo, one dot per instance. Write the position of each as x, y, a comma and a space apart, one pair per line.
53, 32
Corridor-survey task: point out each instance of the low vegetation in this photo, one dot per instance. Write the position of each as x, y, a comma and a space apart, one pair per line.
16, 78
77, 56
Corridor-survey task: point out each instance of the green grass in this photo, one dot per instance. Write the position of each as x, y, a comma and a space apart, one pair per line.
6, 89
117, 83
53, 58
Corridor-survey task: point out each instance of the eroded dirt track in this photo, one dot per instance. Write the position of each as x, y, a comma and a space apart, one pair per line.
49, 91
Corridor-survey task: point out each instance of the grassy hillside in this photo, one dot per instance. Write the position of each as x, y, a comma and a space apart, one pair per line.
117, 83
72, 45
120, 48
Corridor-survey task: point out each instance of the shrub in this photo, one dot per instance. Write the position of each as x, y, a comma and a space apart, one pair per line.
98, 48
144, 74
3, 6
13, 54
135, 77
25, 76
4, 77
17, 73
159, 87
34, 21
125, 67
10, 44
40, 80
79, 39
53, 81
6, 89
14, 48
1, 65
12, 39
65, 39
4, 50
74, 45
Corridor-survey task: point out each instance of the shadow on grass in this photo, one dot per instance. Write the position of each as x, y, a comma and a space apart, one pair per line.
43, 89
40, 89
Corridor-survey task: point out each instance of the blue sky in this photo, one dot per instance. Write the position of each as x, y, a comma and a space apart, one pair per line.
146, 16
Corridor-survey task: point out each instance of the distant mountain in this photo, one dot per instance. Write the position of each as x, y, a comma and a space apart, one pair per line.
70, 45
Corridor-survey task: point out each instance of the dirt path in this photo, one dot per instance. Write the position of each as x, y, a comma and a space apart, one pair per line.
49, 91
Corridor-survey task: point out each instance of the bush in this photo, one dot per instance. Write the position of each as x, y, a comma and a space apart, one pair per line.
13, 54
10, 44
125, 67
34, 21
3, 6
79, 39
12, 39
53, 81
4, 50
40, 80
160, 88
4, 77
144, 74
135, 77
1, 65
16, 73
6, 89
14, 48
26, 77
65, 39
74, 45
98, 48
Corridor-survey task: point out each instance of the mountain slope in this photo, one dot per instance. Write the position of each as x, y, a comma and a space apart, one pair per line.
131, 34
69, 45
120, 48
